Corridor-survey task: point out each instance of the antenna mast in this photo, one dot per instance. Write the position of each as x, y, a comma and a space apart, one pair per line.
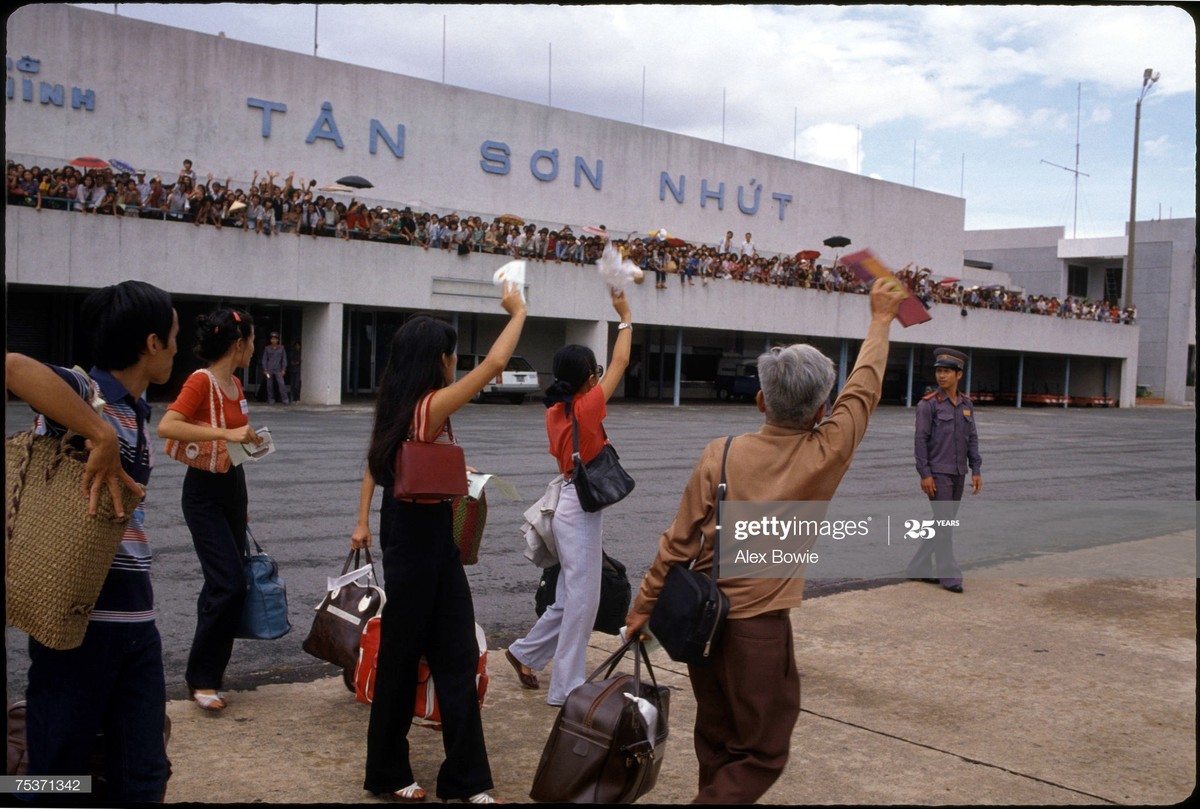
1075, 171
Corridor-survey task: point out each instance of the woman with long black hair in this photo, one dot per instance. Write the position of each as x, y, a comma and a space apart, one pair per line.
429, 611
580, 393
214, 500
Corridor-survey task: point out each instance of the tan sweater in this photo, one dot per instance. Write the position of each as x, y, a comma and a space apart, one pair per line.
775, 463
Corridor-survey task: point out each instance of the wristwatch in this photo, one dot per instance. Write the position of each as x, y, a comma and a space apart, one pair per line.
622, 326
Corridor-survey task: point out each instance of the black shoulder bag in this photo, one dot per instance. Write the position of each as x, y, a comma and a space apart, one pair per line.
601, 481
691, 609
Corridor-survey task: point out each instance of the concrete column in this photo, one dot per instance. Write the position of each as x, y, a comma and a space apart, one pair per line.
970, 365
590, 333
908, 393
843, 353
1020, 376
321, 327
678, 365
1067, 383
594, 335
1127, 380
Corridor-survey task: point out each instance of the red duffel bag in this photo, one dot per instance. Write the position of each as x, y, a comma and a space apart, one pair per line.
425, 713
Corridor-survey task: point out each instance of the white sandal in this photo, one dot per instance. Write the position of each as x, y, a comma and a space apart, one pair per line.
407, 795
210, 702
481, 797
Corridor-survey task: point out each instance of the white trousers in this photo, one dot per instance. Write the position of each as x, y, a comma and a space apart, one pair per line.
562, 633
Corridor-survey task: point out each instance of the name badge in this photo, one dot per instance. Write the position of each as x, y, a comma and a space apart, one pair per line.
246, 407
965, 412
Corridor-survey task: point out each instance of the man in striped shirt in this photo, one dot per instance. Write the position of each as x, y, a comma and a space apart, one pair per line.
114, 681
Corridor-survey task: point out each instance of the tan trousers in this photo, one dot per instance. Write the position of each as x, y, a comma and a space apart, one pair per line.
747, 703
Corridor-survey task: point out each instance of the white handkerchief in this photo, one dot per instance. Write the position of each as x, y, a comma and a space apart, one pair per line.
512, 271
649, 714
618, 272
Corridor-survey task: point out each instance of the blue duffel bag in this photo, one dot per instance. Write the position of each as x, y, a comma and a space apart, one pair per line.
265, 613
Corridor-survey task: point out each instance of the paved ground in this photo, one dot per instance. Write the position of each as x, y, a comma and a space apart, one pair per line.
1022, 691
304, 497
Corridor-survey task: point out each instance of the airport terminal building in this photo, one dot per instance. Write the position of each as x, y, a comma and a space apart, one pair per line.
235, 108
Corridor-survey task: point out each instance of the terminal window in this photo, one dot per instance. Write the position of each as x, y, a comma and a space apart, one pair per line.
1077, 280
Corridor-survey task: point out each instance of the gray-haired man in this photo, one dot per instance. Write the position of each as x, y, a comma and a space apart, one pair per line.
748, 697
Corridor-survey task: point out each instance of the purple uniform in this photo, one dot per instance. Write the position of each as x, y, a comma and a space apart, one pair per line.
946, 440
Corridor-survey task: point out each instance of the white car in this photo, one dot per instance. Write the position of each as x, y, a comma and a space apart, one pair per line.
515, 382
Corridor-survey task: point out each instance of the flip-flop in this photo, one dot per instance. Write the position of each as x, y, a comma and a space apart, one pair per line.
529, 680
413, 793
214, 703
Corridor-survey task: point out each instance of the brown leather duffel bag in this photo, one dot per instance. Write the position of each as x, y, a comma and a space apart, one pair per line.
605, 746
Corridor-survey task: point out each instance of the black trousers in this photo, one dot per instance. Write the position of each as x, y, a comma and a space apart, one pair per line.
428, 612
214, 507
113, 683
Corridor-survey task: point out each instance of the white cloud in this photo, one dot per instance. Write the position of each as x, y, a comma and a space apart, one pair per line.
831, 145
946, 76
1158, 147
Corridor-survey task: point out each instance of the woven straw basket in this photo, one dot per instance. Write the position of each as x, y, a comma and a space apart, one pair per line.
57, 556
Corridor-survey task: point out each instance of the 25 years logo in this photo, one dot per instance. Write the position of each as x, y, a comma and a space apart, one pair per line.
919, 529
926, 529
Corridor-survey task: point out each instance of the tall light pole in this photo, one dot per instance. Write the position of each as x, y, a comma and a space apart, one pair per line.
1149, 77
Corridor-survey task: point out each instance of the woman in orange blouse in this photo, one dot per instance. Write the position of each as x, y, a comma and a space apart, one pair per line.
580, 392
214, 500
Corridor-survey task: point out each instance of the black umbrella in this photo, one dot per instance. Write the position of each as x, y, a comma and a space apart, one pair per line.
832, 241
354, 181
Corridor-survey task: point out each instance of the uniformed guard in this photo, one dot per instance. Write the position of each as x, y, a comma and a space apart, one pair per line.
945, 444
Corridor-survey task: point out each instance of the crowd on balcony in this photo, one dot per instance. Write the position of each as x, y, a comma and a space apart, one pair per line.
296, 207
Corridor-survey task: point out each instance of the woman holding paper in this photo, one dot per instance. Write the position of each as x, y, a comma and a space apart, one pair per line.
580, 391
214, 502
429, 610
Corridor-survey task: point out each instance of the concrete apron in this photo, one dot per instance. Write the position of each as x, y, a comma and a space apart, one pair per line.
1023, 690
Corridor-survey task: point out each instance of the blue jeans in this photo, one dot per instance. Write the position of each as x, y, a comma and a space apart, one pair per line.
113, 683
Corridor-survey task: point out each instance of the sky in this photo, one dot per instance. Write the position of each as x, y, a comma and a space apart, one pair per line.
984, 102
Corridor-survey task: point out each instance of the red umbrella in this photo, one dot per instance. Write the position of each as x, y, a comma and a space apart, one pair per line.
948, 282
674, 242
90, 163
808, 255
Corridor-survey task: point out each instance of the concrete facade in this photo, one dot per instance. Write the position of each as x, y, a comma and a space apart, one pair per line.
1164, 286
327, 276
234, 108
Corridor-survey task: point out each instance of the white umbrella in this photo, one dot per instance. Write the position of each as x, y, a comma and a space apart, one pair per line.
337, 188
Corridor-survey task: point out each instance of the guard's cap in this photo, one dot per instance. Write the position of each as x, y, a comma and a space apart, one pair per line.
949, 358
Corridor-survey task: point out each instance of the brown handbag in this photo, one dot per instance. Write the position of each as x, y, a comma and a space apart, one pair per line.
343, 614
600, 749
429, 470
